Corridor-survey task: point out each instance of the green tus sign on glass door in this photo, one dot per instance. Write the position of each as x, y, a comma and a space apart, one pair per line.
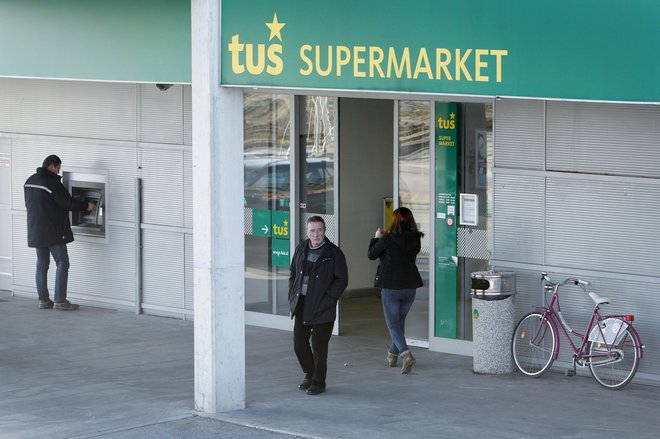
273, 224
563, 49
446, 158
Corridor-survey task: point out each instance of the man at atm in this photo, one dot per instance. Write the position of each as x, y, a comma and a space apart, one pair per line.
49, 231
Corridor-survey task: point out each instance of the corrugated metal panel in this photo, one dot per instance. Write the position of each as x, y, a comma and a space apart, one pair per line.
603, 225
162, 186
188, 271
101, 270
604, 138
528, 290
519, 134
187, 189
187, 115
118, 158
518, 218
105, 270
68, 108
23, 258
163, 268
161, 114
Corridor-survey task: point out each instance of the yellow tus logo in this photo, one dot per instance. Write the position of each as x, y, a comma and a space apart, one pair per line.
255, 58
282, 230
445, 124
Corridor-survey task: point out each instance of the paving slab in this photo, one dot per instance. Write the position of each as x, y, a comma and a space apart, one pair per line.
112, 374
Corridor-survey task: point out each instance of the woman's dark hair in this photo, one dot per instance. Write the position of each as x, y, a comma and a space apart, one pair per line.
51, 160
403, 220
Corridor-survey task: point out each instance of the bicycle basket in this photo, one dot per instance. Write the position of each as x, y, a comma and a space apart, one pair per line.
613, 330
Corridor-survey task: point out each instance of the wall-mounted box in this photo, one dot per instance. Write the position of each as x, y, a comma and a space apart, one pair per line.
91, 186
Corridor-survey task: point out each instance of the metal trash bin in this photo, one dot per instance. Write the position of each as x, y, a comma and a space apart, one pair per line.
493, 321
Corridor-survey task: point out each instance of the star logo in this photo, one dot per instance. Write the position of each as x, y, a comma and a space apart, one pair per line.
452, 115
275, 28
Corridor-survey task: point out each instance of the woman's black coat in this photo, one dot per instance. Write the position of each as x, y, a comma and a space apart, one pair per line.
397, 253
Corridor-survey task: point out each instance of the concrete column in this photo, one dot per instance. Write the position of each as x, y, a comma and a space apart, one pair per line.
217, 222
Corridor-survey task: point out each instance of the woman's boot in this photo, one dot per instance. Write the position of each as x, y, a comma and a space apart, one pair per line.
391, 359
408, 361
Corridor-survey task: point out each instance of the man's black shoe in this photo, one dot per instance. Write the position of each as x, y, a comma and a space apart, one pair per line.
306, 384
315, 390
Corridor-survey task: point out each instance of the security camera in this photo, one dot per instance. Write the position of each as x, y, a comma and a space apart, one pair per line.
163, 87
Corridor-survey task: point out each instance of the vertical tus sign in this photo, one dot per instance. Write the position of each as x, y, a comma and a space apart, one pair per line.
446, 185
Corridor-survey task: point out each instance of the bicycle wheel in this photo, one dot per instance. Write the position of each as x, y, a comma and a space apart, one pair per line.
614, 366
533, 344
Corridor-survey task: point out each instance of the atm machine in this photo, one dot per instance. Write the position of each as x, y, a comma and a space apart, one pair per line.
89, 186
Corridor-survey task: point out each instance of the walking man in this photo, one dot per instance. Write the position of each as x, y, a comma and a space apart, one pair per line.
318, 278
48, 204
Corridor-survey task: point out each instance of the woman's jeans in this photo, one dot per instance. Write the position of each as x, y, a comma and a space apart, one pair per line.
61, 257
396, 304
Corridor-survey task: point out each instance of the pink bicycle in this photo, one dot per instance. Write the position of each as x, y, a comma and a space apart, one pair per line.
610, 346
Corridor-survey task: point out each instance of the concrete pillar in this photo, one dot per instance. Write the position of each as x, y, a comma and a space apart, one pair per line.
217, 222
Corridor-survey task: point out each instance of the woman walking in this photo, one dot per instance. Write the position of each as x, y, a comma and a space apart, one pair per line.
399, 279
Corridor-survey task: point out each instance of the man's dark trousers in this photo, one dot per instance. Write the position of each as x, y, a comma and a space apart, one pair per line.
313, 360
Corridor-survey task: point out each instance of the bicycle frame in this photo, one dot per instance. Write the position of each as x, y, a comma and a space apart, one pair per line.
552, 313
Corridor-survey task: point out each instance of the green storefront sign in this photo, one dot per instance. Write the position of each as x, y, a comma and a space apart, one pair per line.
446, 186
588, 49
273, 224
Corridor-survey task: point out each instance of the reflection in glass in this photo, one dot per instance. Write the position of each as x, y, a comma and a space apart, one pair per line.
414, 119
267, 147
317, 140
317, 135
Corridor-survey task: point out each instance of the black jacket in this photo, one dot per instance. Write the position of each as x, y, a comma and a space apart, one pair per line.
328, 280
48, 204
397, 253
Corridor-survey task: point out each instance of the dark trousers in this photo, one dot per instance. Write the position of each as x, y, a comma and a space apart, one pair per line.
313, 359
61, 257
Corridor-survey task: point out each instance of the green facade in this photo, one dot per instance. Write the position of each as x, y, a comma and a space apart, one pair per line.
587, 49
113, 40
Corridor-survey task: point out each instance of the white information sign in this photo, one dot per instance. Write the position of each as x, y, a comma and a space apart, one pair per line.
469, 209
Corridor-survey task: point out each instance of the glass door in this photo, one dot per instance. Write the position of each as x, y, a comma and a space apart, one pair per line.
474, 239
316, 164
414, 188
267, 174
317, 169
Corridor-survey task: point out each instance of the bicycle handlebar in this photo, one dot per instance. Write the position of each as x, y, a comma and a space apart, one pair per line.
574, 280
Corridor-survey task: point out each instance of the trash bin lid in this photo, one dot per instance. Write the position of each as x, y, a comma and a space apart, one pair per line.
493, 283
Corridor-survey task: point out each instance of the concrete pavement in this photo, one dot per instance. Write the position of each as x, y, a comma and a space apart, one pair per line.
98, 373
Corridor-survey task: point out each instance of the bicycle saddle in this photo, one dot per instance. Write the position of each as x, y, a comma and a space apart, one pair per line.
599, 300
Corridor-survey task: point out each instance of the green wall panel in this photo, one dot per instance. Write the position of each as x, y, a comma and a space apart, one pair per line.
122, 40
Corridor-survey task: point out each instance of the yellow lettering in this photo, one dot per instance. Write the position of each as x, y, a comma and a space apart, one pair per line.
358, 59
423, 58
460, 64
498, 63
392, 62
306, 60
478, 65
320, 71
235, 47
274, 52
441, 64
376, 56
343, 58
258, 67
